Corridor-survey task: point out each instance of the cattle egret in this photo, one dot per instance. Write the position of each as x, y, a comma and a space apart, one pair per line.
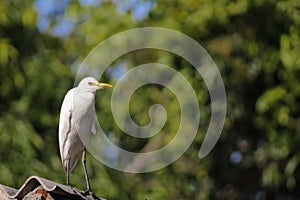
76, 123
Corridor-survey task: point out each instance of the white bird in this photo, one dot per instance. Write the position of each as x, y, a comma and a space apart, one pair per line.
76, 123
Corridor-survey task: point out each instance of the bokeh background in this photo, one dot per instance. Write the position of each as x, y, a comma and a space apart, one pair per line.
255, 44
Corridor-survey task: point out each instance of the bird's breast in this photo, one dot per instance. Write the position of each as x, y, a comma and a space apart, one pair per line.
84, 112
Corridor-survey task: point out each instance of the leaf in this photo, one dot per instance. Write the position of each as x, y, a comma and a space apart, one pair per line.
269, 98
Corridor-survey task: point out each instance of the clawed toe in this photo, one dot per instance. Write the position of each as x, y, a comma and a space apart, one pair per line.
90, 195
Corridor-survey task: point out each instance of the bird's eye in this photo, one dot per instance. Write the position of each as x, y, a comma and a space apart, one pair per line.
91, 83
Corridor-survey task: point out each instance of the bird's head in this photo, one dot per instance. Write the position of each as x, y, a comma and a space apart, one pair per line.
92, 85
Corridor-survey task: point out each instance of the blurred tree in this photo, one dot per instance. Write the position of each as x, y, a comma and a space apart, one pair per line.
256, 45
33, 77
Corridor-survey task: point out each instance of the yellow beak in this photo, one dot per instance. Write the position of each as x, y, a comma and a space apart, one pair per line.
104, 85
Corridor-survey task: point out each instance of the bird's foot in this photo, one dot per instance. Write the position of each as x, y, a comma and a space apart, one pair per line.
90, 195
69, 185
88, 192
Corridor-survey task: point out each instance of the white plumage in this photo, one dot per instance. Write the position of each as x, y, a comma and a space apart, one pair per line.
76, 123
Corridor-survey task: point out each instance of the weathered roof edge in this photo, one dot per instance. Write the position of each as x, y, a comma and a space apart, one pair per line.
34, 181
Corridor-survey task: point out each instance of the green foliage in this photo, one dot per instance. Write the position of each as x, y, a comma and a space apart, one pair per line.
256, 45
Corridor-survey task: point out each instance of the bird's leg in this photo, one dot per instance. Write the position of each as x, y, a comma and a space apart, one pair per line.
68, 171
85, 170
